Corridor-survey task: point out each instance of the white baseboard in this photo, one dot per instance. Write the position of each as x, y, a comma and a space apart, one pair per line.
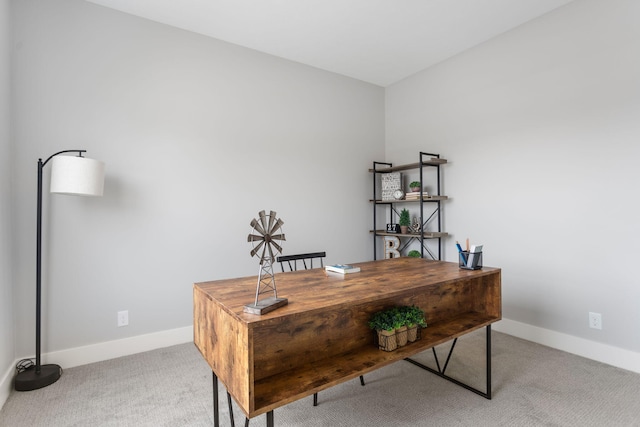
615, 356
123, 347
6, 384
102, 351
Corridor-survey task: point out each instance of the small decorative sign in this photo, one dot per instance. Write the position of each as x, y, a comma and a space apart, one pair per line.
393, 228
390, 183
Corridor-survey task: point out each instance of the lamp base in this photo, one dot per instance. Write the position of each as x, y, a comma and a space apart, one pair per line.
28, 379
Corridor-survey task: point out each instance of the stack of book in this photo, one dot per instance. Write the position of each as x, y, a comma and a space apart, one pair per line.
415, 195
342, 268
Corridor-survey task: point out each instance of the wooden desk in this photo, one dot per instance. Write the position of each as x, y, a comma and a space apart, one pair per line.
321, 338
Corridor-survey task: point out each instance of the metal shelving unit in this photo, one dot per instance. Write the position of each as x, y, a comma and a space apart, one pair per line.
429, 206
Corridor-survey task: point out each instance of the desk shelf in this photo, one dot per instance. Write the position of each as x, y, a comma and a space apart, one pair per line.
311, 378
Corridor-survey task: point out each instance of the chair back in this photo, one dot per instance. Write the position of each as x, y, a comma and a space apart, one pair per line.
306, 261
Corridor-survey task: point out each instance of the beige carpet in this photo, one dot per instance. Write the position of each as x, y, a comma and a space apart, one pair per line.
532, 386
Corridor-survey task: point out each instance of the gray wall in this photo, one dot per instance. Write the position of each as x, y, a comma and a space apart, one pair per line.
197, 136
7, 346
541, 129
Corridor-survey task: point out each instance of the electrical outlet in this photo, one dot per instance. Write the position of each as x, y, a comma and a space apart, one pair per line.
123, 318
595, 320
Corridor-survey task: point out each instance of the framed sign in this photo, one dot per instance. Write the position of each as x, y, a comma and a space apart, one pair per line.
390, 183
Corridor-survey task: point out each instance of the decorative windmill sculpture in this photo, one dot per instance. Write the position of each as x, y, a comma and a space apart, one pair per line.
263, 238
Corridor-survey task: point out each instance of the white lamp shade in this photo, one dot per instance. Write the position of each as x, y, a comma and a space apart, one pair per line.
77, 175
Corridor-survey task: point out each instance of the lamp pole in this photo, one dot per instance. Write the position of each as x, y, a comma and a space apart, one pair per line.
38, 376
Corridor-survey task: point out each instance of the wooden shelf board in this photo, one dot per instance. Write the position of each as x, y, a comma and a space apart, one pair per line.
286, 387
427, 234
426, 199
434, 161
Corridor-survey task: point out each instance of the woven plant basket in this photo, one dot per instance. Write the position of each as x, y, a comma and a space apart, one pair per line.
412, 333
401, 336
387, 340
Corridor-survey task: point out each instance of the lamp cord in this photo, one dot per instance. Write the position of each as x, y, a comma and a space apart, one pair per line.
23, 365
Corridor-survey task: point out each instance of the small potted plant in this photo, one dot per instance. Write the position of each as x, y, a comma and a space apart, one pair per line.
414, 318
404, 221
400, 325
415, 186
414, 254
382, 323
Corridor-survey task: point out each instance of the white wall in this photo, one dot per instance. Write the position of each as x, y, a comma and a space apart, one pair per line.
541, 129
7, 346
197, 136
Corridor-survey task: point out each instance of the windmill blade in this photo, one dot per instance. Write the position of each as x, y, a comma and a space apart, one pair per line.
262, 237
276, 227
277, 246
255, 250
256, 226
272, 217
263, 221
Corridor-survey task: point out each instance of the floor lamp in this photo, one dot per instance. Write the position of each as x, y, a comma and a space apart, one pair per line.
69, 175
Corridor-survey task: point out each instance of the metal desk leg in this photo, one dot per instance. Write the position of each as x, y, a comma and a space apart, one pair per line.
441, 371
270, 419
233, 424
216, 418
488, 395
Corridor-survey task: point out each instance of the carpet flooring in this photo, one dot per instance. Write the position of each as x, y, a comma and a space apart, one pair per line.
533, 385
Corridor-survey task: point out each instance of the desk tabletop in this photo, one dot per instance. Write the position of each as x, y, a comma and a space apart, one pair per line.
316, 289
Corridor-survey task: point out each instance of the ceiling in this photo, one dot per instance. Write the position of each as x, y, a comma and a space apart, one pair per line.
377, 41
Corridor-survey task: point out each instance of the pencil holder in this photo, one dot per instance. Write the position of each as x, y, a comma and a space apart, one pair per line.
470, 260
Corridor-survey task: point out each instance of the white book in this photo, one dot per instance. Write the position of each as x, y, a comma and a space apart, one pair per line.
342, 268
474, 256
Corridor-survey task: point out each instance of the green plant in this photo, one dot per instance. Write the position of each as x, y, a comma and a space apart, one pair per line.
405, 219
414, 316
414, 184
414, 254
398, 317
381, 321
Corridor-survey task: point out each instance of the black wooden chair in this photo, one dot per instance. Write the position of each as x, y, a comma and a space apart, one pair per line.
305, 261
